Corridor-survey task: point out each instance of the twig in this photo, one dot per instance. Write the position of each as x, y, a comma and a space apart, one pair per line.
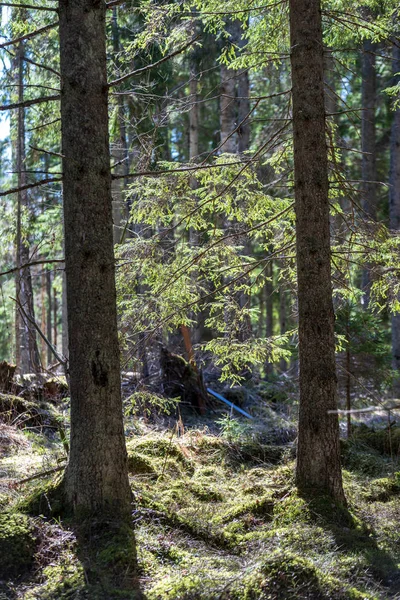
41, 474
156, 64
28, 6
30, 35
32, 264
47, 151
58, 356
31, 102
180, 170
30, 186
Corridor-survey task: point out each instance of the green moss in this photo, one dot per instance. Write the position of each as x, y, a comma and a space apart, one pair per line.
263, 507
382, 490
17, 544
46, 498
287, 576
62, 581
139, 464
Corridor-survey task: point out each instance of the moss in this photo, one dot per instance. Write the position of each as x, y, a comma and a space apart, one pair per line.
287, 576
263, 507
62, 581
160, 447
17, 544
382, 490
46, 498
139, 464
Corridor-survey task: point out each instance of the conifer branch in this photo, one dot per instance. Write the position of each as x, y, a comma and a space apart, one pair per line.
31, 102
29, 186
28, 6
32, 264
153, 65
28, 36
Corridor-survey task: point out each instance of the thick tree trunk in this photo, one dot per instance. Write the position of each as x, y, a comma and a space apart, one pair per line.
27, 351
368, 146
96, 477
318, 457
394, 212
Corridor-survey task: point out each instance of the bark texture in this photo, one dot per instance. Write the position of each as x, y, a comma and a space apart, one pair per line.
27, 351
368, 146
318, 457
96, 477
394, 212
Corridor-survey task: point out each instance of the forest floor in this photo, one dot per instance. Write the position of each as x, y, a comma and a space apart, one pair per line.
216, 516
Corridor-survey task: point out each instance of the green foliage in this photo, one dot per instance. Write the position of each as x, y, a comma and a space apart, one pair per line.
145, 403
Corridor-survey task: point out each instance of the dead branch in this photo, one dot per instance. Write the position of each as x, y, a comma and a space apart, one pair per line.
179, 170
29, 186
31, 102
28, 6
41, 474
32, 264
59, 357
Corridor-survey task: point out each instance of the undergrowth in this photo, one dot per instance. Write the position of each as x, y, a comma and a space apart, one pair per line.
216, 517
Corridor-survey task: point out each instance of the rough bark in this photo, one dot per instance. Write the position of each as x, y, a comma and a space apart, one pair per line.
269, 303
121, 152
96, 477
282, 322
27, 351
50, 356
394, 212
368, 146
318, 457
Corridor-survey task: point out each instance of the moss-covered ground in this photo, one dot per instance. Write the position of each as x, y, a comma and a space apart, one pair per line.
217, 517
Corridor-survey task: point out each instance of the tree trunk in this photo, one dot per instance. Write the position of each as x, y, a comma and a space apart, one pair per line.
97, 477
318, 456
269, 303
121, 154
394, 213
228, 110
27, 351
50, 356
368, 146
282, 322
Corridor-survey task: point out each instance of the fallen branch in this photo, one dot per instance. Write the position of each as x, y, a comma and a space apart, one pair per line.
39, 475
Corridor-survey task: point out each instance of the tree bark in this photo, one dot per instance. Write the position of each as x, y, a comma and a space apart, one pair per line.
269, 303
120, 207
27, 351
368, 146
318, 457
50, 356
96, 477
394, 212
